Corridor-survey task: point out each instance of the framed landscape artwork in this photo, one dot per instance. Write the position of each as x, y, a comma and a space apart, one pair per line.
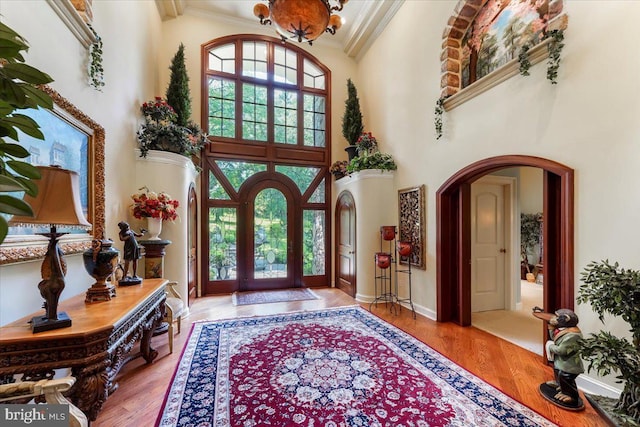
498, 34
411, 205
73, 141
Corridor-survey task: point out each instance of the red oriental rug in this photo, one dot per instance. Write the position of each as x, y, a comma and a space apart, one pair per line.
326, 368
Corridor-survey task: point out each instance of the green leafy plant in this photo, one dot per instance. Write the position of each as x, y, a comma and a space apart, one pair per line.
178, 95
375, 160
18, 91
96, 70
439, 112
614, 290
352, 125
168, 127
523, 60
529, 235
162, 132
555, 49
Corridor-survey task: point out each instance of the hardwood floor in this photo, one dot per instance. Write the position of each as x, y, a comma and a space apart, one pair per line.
515, 371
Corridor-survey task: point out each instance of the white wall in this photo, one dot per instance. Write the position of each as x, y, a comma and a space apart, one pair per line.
531, 190
588, 121
131, 43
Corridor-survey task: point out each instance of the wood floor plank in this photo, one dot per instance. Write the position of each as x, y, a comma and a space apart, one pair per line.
514, 370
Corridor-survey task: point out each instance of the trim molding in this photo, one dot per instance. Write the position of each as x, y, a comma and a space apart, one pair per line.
538, 53
72, 19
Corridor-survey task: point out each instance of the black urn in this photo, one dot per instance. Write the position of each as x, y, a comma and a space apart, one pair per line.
100, 261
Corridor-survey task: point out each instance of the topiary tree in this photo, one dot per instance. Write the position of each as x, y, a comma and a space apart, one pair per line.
178, 95
352, 125
614, 290
18, 91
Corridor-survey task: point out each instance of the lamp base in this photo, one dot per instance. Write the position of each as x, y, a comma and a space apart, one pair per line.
42, 323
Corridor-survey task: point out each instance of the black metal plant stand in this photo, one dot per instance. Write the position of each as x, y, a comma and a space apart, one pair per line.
406, 271
382, 271
386, 282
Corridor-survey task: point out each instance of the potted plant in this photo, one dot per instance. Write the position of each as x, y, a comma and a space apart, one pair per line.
168, 126
377, 160
339, 168
162, 132
529, 238
352, 126
18, 91
616, 291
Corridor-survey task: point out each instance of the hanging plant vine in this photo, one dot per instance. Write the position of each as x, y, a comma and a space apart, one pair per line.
523, 60
555, 49
439, 112
95, 69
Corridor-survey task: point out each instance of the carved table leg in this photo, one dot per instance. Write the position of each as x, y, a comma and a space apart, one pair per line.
148, 353
91, 388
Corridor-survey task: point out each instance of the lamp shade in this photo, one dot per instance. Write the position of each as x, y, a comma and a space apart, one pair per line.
57, 202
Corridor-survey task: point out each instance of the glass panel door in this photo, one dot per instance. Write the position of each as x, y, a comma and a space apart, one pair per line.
270, 235
269, 241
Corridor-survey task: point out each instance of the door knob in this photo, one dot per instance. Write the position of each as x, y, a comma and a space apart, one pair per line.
503, 251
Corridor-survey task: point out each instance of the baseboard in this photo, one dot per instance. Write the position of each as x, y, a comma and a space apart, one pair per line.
593, 386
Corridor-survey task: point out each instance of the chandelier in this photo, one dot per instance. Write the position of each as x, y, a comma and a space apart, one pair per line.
304, 20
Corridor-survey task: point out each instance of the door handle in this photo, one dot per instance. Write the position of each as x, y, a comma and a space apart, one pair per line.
352, 252
503, 251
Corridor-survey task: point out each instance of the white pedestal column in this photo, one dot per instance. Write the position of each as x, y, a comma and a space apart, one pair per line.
173, 174
376, 203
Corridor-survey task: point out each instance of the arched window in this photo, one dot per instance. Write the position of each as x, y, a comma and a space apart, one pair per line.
266, 109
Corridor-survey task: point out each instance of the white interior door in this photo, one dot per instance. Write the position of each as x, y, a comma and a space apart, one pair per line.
488, 251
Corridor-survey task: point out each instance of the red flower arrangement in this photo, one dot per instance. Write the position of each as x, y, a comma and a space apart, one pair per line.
154, 205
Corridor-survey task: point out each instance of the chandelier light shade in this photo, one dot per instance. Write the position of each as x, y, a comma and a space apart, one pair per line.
56, 204
302, 20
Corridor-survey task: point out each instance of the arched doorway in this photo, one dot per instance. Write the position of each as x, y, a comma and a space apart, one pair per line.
345, 239
453, 235
269, 235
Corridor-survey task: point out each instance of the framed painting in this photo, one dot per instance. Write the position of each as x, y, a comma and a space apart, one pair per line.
411, 206
73, 141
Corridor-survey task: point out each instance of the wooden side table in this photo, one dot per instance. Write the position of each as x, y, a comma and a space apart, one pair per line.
154, 252
94, 347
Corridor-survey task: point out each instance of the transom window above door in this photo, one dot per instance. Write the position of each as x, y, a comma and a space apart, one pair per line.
259, 91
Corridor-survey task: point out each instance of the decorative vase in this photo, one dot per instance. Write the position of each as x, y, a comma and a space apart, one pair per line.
404, 248
352, 151
383, 260
154, 228
100, 261
388, 232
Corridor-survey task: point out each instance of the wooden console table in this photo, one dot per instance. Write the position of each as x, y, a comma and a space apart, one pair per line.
94, 347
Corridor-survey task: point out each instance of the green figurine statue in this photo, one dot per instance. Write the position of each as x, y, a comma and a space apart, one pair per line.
562, 349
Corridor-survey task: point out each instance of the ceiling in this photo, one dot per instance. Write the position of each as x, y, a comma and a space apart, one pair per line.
364, 19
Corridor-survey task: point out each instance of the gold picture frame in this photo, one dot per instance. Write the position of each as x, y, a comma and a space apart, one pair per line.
25, 247
411, 215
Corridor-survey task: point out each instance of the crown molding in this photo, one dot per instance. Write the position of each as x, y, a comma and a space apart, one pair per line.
374, 18
170, 9
363, 32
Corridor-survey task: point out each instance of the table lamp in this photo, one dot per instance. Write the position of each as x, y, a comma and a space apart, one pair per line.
56, 204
